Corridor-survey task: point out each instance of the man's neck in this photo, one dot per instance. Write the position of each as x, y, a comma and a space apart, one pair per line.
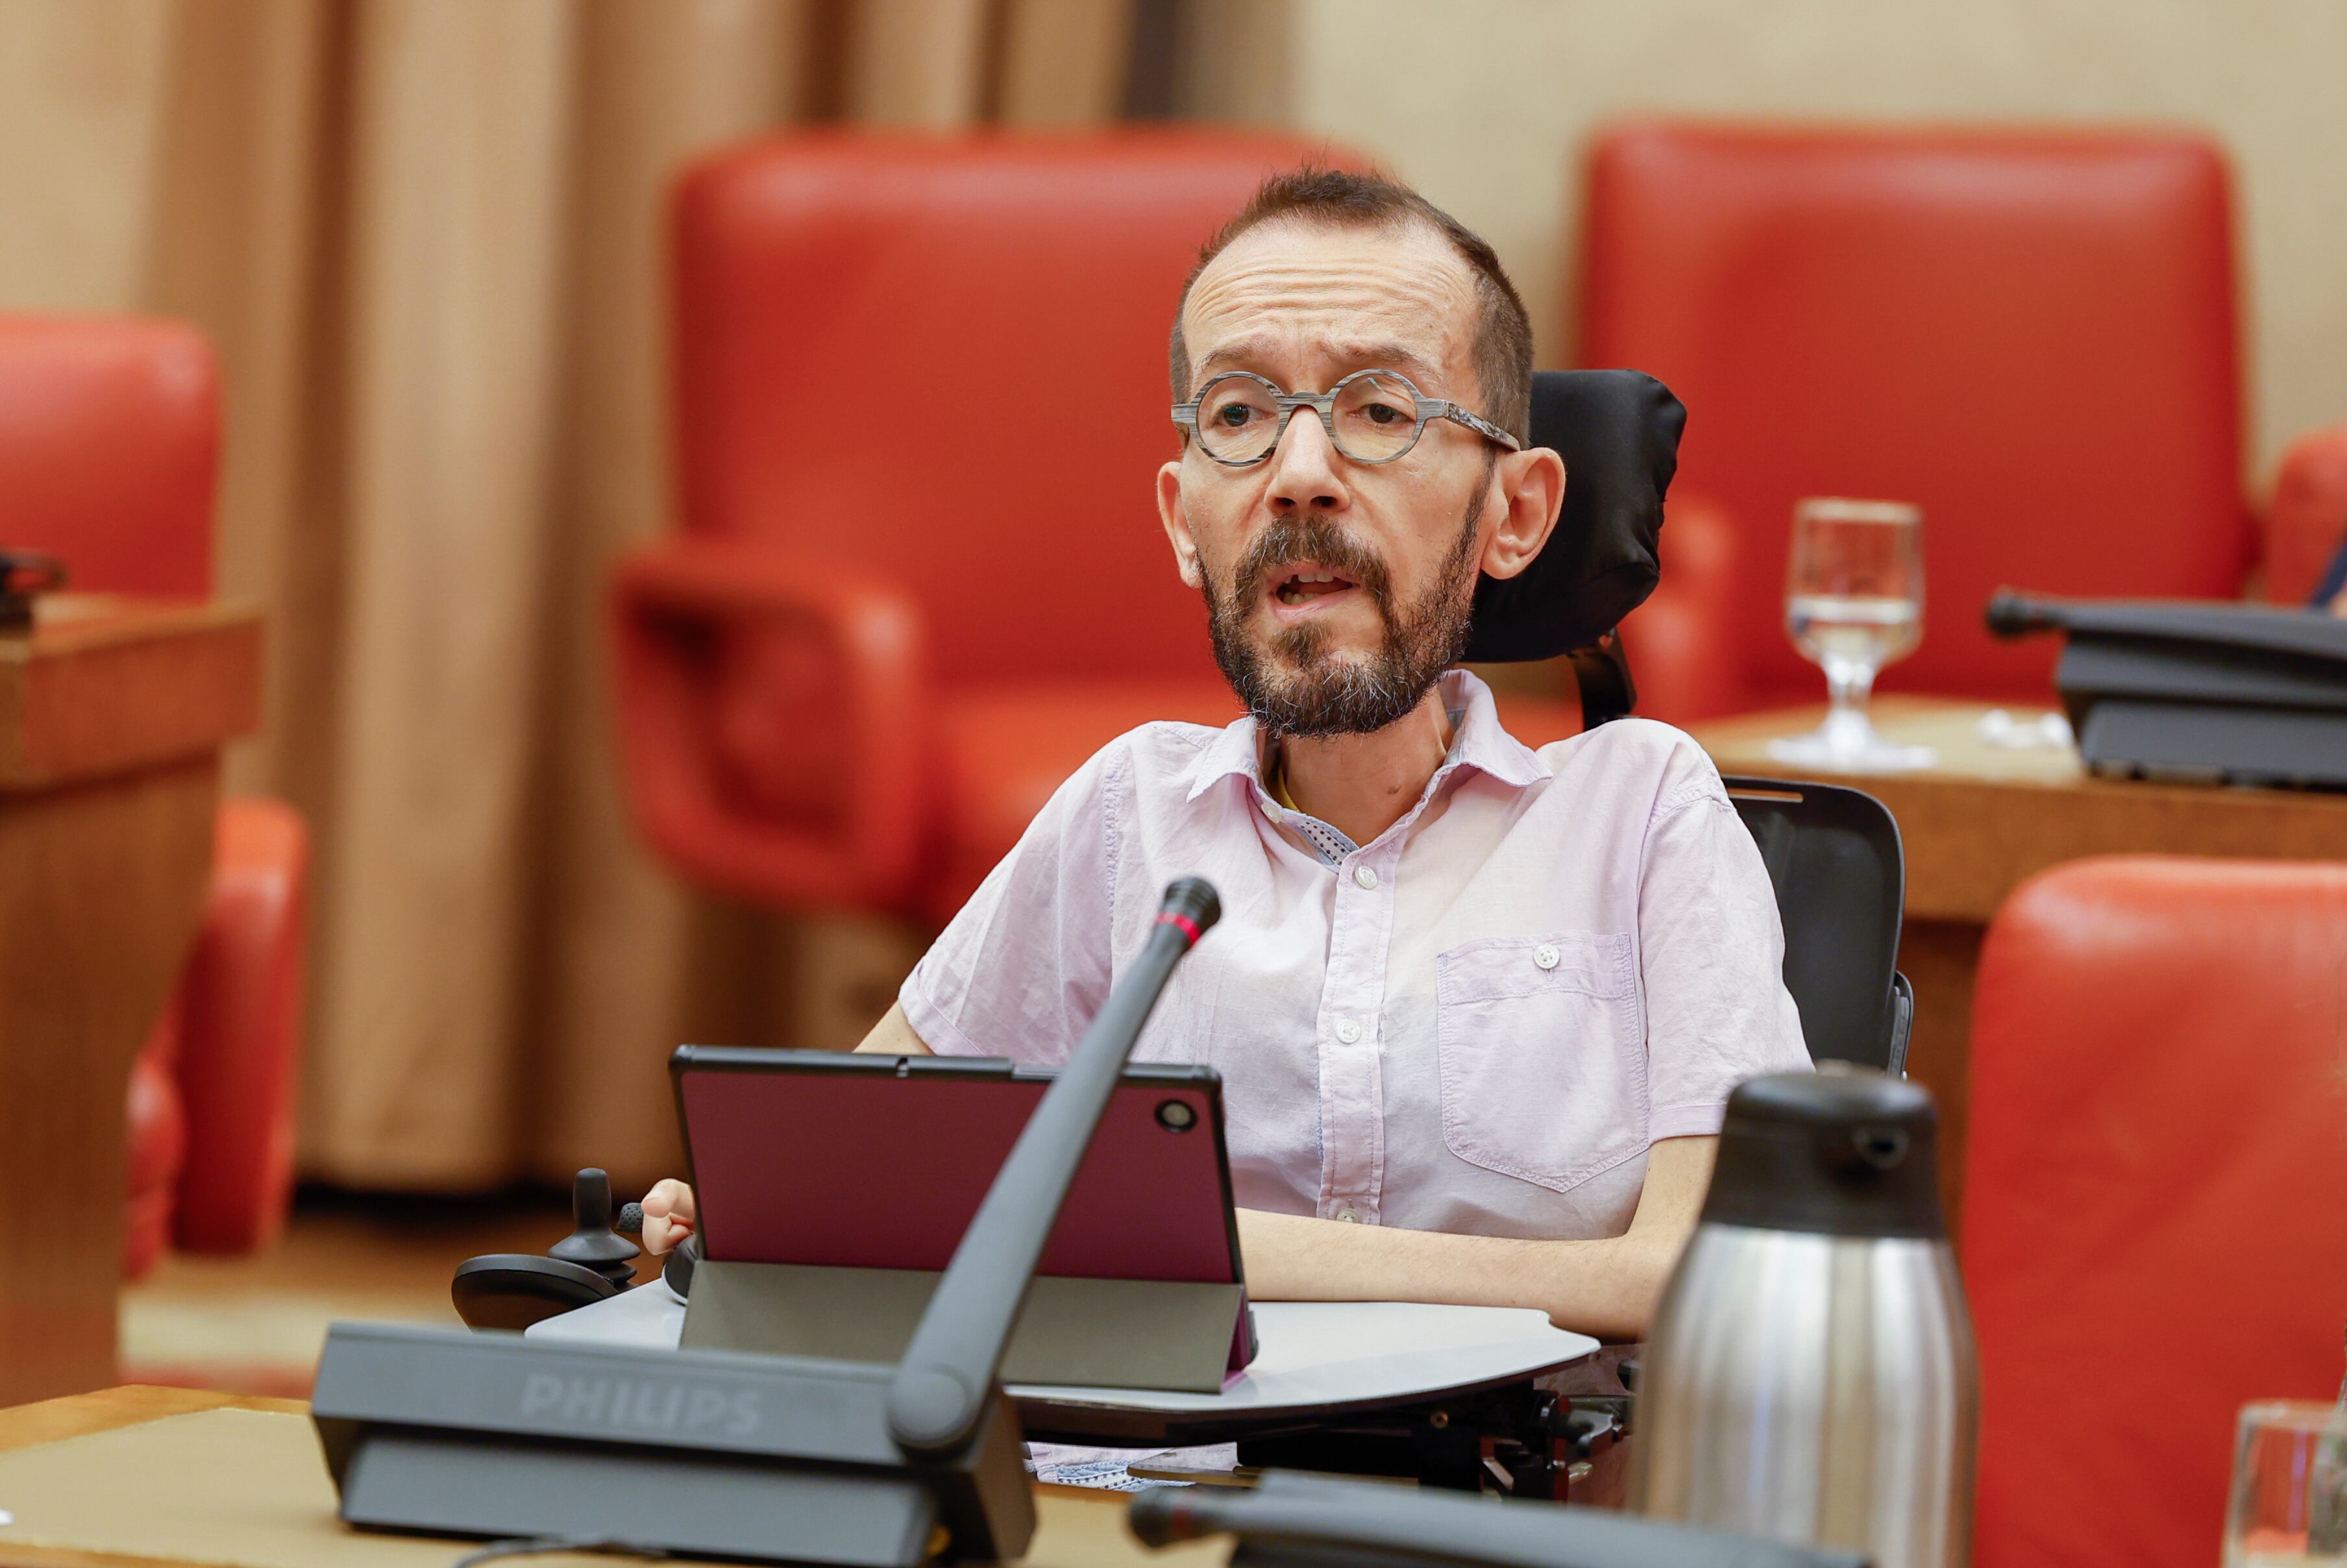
1362, 785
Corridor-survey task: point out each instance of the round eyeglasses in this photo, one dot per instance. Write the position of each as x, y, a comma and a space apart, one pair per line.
1371, 416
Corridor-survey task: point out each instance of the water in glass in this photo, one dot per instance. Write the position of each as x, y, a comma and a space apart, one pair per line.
1853, 604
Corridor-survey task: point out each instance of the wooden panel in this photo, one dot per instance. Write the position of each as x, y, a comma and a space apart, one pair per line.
104, 685
111, 715
1988, 816
101, 885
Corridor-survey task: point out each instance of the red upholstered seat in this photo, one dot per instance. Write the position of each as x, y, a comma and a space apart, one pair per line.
2031, 334
2155, 1223
109, 433
918, 576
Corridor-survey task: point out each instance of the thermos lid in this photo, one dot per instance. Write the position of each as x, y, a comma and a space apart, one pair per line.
1840, 1151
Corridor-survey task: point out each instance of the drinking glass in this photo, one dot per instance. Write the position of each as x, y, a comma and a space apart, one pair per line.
1853, 603
2290, 1487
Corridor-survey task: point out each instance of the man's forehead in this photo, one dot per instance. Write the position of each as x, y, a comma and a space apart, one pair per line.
1291, 289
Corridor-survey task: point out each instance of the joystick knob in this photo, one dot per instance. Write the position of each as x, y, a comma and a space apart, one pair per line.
593, 1244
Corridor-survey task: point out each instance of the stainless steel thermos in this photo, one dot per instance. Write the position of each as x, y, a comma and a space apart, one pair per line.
1810, 1375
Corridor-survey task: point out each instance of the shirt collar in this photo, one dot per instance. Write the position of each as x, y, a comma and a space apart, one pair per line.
1478, 741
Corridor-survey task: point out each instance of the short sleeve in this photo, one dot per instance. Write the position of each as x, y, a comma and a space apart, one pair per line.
1025, 965
1711, 956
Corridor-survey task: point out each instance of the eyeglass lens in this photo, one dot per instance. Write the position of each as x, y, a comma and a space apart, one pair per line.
1375, 419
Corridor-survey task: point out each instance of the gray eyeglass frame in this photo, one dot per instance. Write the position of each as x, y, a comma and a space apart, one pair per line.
1185, 417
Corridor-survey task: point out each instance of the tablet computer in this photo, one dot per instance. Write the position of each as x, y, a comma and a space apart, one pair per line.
826, 1158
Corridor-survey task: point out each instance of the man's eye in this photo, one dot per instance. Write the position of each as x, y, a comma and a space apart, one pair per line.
1385, 414
1233, 416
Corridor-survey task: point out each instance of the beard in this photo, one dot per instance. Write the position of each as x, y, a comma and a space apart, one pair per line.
1318, 694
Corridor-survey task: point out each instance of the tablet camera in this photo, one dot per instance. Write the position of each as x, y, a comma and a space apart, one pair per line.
1176, 1115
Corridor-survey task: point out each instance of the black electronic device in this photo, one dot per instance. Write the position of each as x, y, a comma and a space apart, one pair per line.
1302, 1521
1839, 875
514, 1289
25, 576
810, 1247
2242, 694
768, 1459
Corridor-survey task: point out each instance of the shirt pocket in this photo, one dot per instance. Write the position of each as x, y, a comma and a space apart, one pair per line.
1544, 1056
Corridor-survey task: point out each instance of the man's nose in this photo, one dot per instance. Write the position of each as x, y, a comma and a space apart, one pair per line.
1304, 468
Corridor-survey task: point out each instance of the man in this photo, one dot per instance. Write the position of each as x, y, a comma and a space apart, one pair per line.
1477, 1010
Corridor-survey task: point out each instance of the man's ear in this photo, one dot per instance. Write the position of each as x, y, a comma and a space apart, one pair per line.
1177, 524
1531, 487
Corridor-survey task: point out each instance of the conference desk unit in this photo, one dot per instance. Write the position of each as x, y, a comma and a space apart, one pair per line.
228, 1479
1987, 818
112, 715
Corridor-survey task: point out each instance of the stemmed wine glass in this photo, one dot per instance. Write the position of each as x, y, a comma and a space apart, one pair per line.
1853, 603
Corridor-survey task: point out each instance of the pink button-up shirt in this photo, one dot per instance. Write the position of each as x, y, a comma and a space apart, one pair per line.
1476, 1022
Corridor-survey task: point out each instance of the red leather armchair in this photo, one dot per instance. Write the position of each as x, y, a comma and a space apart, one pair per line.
2031, 334
2155, 1226
110, 432
891, 620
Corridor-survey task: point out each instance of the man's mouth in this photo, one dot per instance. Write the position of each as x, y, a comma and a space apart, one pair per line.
1310, 586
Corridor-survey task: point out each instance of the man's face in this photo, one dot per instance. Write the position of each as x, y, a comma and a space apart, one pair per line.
1336, 592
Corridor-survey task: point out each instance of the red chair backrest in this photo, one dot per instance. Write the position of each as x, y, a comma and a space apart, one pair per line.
2030, 334
946, 360
2155, 1220
109, 434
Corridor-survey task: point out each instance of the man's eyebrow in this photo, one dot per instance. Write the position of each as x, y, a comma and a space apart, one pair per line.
1370, 355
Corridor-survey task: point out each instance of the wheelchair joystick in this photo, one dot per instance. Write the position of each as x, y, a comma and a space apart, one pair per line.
593, 1243
514, 1289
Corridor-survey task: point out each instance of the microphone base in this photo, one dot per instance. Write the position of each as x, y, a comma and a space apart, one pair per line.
761, 1458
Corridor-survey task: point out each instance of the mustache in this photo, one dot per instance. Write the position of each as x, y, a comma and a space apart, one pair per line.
1319, 539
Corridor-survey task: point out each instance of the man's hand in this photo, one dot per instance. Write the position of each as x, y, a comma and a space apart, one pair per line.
668, 1216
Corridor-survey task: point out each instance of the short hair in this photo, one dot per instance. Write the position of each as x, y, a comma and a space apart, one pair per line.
1341, 199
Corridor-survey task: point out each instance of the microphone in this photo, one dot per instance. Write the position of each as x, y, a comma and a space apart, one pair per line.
947, 1372
1299, 1519
2011, 614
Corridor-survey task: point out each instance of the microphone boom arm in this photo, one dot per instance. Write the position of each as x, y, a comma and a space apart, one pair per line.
942, 1384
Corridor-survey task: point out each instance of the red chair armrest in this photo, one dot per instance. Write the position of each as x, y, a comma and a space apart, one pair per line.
239, 1002
774, 721
2307, 521
1683, 641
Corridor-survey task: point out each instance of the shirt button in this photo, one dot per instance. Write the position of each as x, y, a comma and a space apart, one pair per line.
1545, 956
1365, 876
1347, 1031
1349, 1217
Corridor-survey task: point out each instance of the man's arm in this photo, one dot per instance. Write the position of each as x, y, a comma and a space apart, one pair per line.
1607, 1289
894, 1036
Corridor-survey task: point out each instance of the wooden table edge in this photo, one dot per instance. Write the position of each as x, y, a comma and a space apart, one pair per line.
129, 1405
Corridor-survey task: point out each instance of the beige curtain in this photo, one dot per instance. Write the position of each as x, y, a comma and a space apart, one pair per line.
424, 235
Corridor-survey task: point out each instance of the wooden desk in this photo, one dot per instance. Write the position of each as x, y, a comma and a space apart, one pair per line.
1986, 818
112, 714
1076, 1528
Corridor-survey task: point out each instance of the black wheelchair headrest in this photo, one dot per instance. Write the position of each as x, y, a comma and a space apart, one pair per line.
1618, 432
